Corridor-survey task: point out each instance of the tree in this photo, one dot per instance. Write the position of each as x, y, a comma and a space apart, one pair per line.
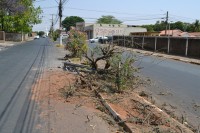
41, 33
196, 26
178, 25
71, 21
18, 16
159, 26
7, 8
11, 6
150, 28
108, 20
100, 53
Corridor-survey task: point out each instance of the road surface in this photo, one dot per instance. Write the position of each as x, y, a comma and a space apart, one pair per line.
180, 80
20, 66
24, 105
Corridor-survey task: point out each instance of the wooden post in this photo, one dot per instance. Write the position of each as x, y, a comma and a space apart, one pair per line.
186, 48
155, 43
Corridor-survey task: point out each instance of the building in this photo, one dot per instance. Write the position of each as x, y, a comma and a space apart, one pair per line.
179, 33
94, 30
174, 33
194, 34
144, 33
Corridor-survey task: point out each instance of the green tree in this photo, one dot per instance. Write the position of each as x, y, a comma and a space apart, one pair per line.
108, 20
19, 16
178, 25
55, 34
196, 26
159, 26
71, 21
150, 28
41, 33
189, 27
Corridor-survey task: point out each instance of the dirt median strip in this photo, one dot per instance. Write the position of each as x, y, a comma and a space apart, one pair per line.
129, 127
115, 115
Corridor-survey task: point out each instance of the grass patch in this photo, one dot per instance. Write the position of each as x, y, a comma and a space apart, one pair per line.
59, 45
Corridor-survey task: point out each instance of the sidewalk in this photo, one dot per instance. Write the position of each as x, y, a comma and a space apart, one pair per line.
60, 114
7, 44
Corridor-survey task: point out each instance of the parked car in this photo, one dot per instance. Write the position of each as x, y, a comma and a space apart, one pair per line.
44, 36
36, 37
106, 39
95, 40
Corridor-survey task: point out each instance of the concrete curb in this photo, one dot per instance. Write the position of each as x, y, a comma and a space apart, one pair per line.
125, 125
115, 115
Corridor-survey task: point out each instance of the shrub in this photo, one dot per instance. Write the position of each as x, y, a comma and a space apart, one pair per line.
76, 43
122, 67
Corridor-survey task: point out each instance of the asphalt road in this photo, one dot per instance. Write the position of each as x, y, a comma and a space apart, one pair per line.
20, 66
180, 82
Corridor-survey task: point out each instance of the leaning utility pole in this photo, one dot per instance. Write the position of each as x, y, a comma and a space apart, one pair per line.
166, 22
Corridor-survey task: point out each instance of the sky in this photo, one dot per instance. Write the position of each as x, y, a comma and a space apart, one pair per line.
131, 12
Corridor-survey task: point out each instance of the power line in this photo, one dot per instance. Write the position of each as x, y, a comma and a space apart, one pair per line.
39, 0
56, 1
106, 11
140, 19
138, 15
183, 17
49, 7
65, 1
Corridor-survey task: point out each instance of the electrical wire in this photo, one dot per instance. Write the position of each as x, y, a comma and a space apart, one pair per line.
141, 19
49, 7
39, 0
65, 1
106, 11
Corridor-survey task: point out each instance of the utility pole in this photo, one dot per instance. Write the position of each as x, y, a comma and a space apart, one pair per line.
167, 17
52, 21
60, 6
51, 29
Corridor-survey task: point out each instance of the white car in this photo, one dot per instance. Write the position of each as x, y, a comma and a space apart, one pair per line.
95, 40
36, 37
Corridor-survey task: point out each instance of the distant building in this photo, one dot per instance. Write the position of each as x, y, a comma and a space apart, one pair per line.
94, 30
194, 34
179, 33
144, 33
34, 34
174, 33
